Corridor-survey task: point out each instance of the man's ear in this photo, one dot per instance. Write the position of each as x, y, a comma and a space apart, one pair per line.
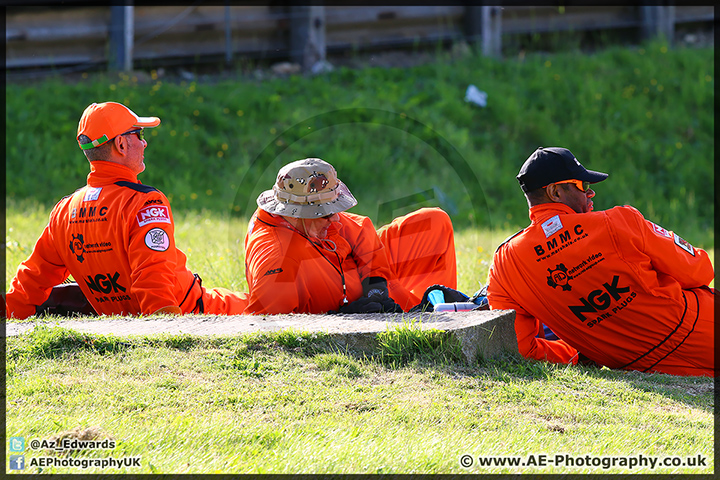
553, 193
120, 145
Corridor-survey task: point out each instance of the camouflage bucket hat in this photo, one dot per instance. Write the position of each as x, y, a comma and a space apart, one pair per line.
307, 188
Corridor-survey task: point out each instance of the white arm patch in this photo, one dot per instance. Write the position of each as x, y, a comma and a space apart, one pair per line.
684, 244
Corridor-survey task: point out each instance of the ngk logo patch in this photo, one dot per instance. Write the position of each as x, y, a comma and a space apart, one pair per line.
153, 214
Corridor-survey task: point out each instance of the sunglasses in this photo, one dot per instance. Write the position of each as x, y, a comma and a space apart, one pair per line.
583, 186
139, 133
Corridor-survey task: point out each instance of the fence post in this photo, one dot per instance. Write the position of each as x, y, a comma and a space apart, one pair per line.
492, 29
307, 35
658, 20
122, 31
228, 35
484, 23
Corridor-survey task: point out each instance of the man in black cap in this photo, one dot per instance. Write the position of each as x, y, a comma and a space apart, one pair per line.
618, 290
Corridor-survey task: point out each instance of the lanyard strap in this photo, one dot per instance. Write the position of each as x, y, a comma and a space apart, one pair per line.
338, 270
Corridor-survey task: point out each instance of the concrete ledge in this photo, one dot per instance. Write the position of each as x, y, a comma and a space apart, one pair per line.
484, 334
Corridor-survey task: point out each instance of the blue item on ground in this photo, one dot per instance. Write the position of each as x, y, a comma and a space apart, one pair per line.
436, 297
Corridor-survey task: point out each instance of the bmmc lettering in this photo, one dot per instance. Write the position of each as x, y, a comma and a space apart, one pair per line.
90, 212
600, 299
104, 283
565, 237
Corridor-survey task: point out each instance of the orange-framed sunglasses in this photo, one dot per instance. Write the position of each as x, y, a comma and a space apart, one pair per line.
583, 186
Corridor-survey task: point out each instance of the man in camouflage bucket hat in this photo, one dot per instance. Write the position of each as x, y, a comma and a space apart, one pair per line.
305, 254
307, 189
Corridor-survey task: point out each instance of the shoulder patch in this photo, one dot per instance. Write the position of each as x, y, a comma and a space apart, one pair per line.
682, 243
157, 239
552, 226
661, 231
92, 194
138, 187
153, 214
508, 239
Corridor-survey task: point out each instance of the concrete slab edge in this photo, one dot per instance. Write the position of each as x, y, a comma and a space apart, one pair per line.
481, 334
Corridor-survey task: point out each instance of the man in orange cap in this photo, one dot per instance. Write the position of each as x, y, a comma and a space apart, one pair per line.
305, 254
115, 236
617, 289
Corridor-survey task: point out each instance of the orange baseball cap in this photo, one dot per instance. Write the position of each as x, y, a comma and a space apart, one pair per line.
105, 121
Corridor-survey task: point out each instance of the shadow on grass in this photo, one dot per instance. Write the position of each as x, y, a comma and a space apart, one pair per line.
45, 341
418, 349
691, 391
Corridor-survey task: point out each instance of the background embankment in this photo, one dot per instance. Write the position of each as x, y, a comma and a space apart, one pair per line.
401, 138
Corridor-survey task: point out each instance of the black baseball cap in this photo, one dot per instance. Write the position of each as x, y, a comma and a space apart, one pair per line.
548, 165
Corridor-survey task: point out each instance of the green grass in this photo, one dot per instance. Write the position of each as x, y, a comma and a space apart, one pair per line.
267, 404
402, 138
405, 343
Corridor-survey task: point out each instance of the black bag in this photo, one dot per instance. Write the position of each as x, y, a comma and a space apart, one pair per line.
66, 300
451, 296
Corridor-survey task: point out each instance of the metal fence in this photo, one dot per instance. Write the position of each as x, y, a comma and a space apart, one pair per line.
122, 37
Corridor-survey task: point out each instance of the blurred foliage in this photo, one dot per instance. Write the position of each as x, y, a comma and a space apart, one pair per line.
403, 138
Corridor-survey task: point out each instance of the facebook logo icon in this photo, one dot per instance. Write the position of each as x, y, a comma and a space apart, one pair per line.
17, 462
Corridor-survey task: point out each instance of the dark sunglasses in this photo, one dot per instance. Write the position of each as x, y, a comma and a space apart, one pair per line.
139, 132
